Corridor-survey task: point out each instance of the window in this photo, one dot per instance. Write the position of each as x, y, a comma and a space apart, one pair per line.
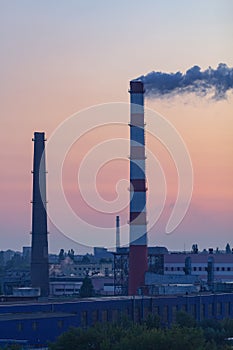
223, 268
227, 309
19, 326
228, 269
219, 309
184, 307
217, 269
84, 318
210, 309
95, 316
200, 268
137, 314
114, 315
202, 311
165, 314
104, 315
194, 269
174, 312
34, 326
156, 310
60, 323
193, 310
146, 312
123, 313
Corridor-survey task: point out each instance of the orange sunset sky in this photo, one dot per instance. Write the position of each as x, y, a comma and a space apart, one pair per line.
60, 57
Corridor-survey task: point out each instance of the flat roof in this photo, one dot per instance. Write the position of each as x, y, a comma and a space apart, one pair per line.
33, 315
100, 299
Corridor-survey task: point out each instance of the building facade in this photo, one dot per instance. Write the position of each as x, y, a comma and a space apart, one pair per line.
38, 323
174, 264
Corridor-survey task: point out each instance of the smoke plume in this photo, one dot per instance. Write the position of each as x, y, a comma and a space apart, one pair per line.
217, 81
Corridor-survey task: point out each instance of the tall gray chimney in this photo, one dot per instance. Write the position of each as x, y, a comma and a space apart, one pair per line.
39, 254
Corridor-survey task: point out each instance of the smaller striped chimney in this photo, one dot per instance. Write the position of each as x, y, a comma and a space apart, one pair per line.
117, 232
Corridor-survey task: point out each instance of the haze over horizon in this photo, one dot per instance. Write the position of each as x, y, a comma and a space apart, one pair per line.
58, 58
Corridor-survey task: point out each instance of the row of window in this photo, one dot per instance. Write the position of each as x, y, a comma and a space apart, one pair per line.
114, 315
96, 315
35, 325
206, 311
87, 268
63, 290
199, 268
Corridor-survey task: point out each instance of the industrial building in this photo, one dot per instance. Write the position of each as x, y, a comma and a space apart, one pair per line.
222, 264
207, 270
38, 323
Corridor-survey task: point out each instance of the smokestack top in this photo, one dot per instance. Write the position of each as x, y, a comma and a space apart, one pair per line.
39, 136
137, 87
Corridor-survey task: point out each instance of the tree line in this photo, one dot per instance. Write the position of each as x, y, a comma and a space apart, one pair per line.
185, 334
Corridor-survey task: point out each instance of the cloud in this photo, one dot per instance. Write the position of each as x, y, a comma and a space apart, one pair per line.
219, 81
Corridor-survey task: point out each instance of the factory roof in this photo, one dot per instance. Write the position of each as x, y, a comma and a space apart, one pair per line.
34, 315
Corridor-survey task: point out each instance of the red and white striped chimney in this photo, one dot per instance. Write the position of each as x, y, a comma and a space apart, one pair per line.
138, 222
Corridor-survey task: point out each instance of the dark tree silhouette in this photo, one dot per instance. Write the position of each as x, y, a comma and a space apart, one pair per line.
61, 255
86, 289
228, 249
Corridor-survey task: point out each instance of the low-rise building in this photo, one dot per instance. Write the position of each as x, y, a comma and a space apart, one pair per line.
175, 263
